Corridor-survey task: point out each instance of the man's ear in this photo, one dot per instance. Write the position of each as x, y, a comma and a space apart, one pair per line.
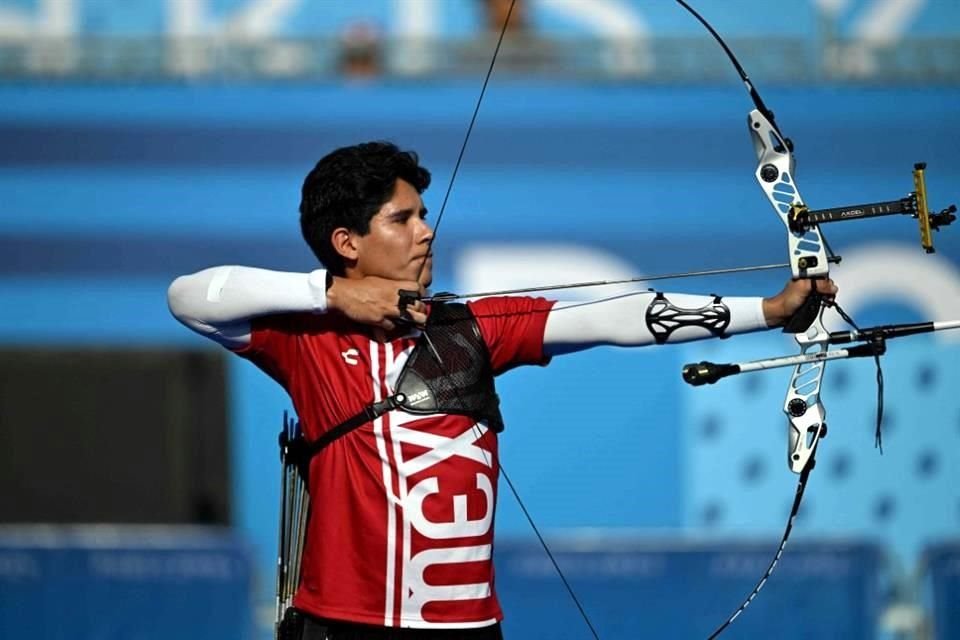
343, 241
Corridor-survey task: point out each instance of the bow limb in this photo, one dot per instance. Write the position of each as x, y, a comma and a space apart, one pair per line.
804, 410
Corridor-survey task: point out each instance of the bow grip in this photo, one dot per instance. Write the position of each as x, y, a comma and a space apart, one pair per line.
803, 317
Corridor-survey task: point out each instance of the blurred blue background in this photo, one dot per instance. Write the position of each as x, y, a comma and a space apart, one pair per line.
126, 160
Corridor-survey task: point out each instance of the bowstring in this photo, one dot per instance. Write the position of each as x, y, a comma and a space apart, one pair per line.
436, 227
758, 101
466, 139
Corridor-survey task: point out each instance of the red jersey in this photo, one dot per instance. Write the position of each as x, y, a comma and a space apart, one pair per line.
402, 509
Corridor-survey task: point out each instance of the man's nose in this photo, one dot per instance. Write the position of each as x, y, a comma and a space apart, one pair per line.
425, 232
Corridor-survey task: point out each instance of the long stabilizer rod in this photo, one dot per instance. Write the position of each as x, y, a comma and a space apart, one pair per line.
874, 339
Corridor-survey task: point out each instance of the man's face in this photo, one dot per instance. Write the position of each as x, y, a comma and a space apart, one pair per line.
399, 239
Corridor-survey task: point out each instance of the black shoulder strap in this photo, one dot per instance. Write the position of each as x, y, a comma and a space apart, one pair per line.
300, 452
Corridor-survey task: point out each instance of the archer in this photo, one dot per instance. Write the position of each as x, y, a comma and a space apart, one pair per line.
396, 395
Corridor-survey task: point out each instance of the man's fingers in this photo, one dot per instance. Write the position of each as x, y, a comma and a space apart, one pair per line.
381, 302
827, 287
408, 295
418, 317
416, 313
419, 307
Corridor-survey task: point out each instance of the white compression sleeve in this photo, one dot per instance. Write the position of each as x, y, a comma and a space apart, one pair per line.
220, 302
622, 321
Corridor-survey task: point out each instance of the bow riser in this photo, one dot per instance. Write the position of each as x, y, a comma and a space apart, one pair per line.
775, 174
808, 259
805, 413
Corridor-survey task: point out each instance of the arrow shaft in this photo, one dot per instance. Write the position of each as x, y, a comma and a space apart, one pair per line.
602, 283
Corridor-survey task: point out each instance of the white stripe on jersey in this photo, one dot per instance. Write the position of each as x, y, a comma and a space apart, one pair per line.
390, 377
388, 483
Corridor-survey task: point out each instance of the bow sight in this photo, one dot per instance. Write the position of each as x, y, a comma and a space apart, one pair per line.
802, 219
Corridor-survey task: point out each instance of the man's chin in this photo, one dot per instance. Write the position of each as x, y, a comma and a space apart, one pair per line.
426, 277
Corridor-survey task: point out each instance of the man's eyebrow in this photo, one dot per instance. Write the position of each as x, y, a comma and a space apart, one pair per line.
406, 213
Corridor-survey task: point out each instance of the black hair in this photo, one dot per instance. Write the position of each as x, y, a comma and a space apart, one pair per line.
346, 189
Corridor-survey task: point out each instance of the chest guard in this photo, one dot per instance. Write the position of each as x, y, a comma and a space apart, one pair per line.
448, 371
